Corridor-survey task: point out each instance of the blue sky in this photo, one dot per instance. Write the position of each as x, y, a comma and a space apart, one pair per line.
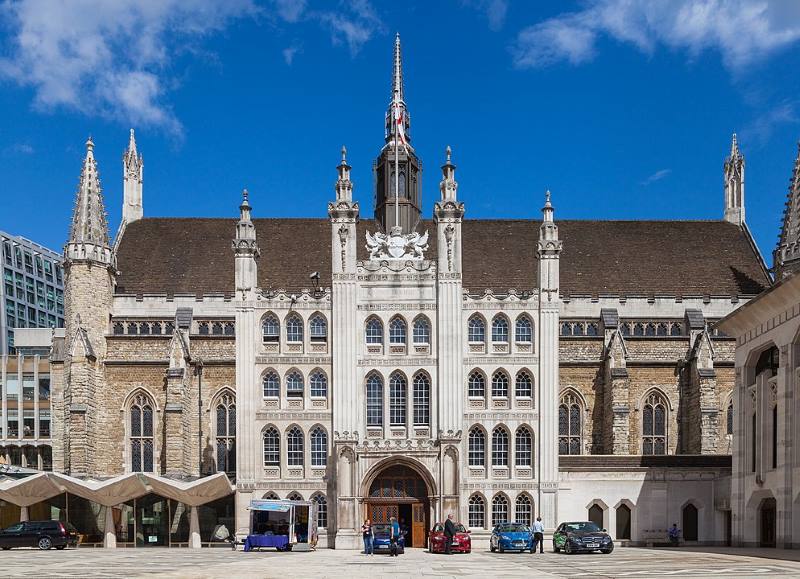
624, 109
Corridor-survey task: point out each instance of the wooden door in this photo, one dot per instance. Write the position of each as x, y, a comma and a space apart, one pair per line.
382, 513
418, 525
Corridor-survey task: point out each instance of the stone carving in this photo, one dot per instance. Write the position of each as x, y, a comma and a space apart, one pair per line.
395, 245
343, 233
449, 232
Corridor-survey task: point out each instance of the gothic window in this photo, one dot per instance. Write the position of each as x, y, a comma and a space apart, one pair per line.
592, 329
625, 329
499, 447
577, 329
322, 510
318, 384
499, 510
524, 330
229, 329
319, 447
569, 425
216, 329
397, 331
654, 425
675, 330
294, 329
294, 496
119, 328
157, 328
650, 329
318, 328
422, 400
294, 384
768, 362
133, 328
524, 447
476, 330
374, 331
500, 329
144, 329
397, 400
169, 327
729, 419
500, 385
523, 510
272, 447
141, 434
270, 496
661, 329
566, 329
272, 385
477, 447
270, 329
374, 400
477, 385
226, 434
294, 447
638, 329
524, 387
422, 331
477, 512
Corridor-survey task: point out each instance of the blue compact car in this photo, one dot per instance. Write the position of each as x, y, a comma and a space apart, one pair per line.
381, 542
511, 537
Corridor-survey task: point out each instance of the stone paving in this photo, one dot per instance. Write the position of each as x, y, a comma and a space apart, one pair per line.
208, 563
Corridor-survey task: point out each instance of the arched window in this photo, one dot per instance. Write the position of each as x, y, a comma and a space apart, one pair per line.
596, 515
374, 400
689, 521
500, 329
294, 447
729, 419
374, 331
768, 362
661, 329
654, 425
477, 447
141, 434
500, 385
524, 447
322, 510
477, 512
476, 329
294, 329
477, 385
272, 447
270, 496
319, 384
319, 447
272, 385
226, 434
294, 384
397, 331
216, 328
422, 400
294, 496
569, 425
499, 447
270, 329
624, 522
524, 330
499, 510
422, 331
676, 330
397, 400
524, 386
524, 510
318, 328
592, 329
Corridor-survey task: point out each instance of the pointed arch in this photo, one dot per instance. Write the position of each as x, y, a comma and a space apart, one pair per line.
271, 440
318, 327
270, 383
398, 396
477, 511
398, 330
270, 328
500, 445
523, 509
499, 508
476, 384
500, 325
224, 428
374, 399
523, 329
318, 438
523, 384
422, 330
295, 446
294, 327
500, 383
141, 430
318, 383
477, 446
476, 329
373, 330
294, 496
523, 446
422, 398
295, 385
571, 409
655, 422
322, 509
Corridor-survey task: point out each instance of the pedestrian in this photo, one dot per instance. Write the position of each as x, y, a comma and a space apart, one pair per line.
538, 535
394, 536
369, 536
674, 535
449, 533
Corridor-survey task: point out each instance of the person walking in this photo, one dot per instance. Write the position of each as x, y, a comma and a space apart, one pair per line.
538, 535
674, 535
449, 533
394, 536
369, 536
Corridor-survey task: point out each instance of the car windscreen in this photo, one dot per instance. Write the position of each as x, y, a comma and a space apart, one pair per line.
460, 529
582, 527
513, 528
380, 530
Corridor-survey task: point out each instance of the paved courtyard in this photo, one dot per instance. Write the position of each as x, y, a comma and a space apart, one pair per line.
628, 562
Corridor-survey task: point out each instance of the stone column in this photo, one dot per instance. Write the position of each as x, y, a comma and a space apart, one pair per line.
173, 423
23, 514
194, 528
110, 535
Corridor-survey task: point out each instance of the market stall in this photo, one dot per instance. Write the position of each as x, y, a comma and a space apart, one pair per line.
282, 524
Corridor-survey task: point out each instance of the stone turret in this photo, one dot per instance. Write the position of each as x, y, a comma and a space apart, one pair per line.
246, 251
734, 185
132, 171
787, 254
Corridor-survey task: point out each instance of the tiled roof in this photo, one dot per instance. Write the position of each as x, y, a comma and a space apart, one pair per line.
179, 255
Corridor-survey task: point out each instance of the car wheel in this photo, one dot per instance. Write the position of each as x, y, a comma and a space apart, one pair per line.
499, 548
567, 548
6, 548
45, 543
609, 550
61, 547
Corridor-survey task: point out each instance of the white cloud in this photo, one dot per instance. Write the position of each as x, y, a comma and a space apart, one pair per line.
657, 176
741, 31
289, 53
290, 10
495, 11
20, 149
354, 25
760, 129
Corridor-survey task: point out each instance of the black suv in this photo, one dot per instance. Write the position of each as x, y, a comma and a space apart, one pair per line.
41, 534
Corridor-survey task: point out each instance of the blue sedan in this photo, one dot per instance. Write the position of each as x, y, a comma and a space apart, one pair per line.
381, 542
511, 537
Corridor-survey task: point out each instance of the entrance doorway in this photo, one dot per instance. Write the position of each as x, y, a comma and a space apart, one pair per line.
768, 526
400, 492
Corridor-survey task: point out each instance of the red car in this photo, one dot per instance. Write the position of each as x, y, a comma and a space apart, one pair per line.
462, 543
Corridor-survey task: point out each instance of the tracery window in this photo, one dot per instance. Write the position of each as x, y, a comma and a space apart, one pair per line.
422, 331
216, 329
318, 328
226, 434
270, 329
477, 447
141, 434
654, 425
319, 384
524, 447
294, 329
294, 447
499, 447
499, 510
319, 447
422, 400
294, 384
476, 385
569, 425
500, 329
374, 400
477, 512
397, 331
272, 447
523, 510
500, 385
322, 510
476, 329
524, 329
374, 331
397, 400
271, 385
294, 496
524, 386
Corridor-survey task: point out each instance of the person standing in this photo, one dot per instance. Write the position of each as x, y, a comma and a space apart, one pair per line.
538, 535
449, 533
369, 536
394, 536
674, 535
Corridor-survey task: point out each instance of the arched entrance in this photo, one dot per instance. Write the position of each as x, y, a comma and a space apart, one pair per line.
767, 514
400, 491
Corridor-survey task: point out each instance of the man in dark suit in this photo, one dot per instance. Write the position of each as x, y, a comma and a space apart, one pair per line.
449, 533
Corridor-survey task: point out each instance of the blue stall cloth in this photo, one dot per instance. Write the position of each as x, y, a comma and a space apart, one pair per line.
280, 542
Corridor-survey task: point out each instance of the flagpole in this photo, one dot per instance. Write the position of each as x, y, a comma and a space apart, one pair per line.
396, 164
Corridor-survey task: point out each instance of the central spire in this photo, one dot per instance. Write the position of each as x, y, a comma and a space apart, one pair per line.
397, 81
398, 100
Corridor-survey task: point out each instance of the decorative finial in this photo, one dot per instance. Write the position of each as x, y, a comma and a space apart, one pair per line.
344, 154
131, 134
89, 144
547, 199
448, 152
245, 196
